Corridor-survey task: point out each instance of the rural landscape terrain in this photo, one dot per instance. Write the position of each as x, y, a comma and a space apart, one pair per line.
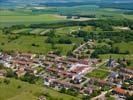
66, 50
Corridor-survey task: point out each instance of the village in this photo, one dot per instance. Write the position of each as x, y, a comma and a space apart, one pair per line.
70, 75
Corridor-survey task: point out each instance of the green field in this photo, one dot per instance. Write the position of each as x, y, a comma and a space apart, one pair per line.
128, 16
66, 30
27, 16
27, 91
115, 56
125, 46
131, 65
24, 44
98, 73
89, 9
6, 20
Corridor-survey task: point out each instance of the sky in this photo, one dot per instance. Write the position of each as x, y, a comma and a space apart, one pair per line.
51, 1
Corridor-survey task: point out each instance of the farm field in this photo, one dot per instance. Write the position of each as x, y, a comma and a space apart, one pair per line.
58, 31
66, 30
52, 14
28, 19
27, 91
21, 30
89, 9
128, 16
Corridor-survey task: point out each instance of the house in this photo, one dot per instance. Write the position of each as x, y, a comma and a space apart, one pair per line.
84, 61
47, 63
76, 87
119, 91
19, 62
73, 60
103, 83
130, 87
126, 70
117, 82
114, 75
42, 98
27, 55
89, 90
52, 57
95, 61
99, 82
80, 70
48, 81
20, 72
63, 84
50, 69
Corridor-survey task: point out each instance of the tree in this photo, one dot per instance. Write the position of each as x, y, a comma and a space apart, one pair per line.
86, 97
58, 51
10, 73
130, 97
6, 81
94, 55
29, 78
51, 33
34, 45
1, 66
50, 40
19, 86
128, 63
64, 41
63, 90
69, 53
53, 46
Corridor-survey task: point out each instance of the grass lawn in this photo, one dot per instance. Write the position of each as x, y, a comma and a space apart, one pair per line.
114, 56
110, 98
24, 44
125, 46
98, 73
131, 65
27, 91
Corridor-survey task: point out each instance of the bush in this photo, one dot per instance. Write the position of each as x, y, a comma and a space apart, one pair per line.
29, 78
19, 86
6, 81
10, 73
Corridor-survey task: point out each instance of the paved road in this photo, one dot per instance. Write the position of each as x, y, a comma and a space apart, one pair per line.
81, 46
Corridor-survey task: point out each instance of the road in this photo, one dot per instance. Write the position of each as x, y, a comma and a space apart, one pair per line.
101, 96
82, 46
